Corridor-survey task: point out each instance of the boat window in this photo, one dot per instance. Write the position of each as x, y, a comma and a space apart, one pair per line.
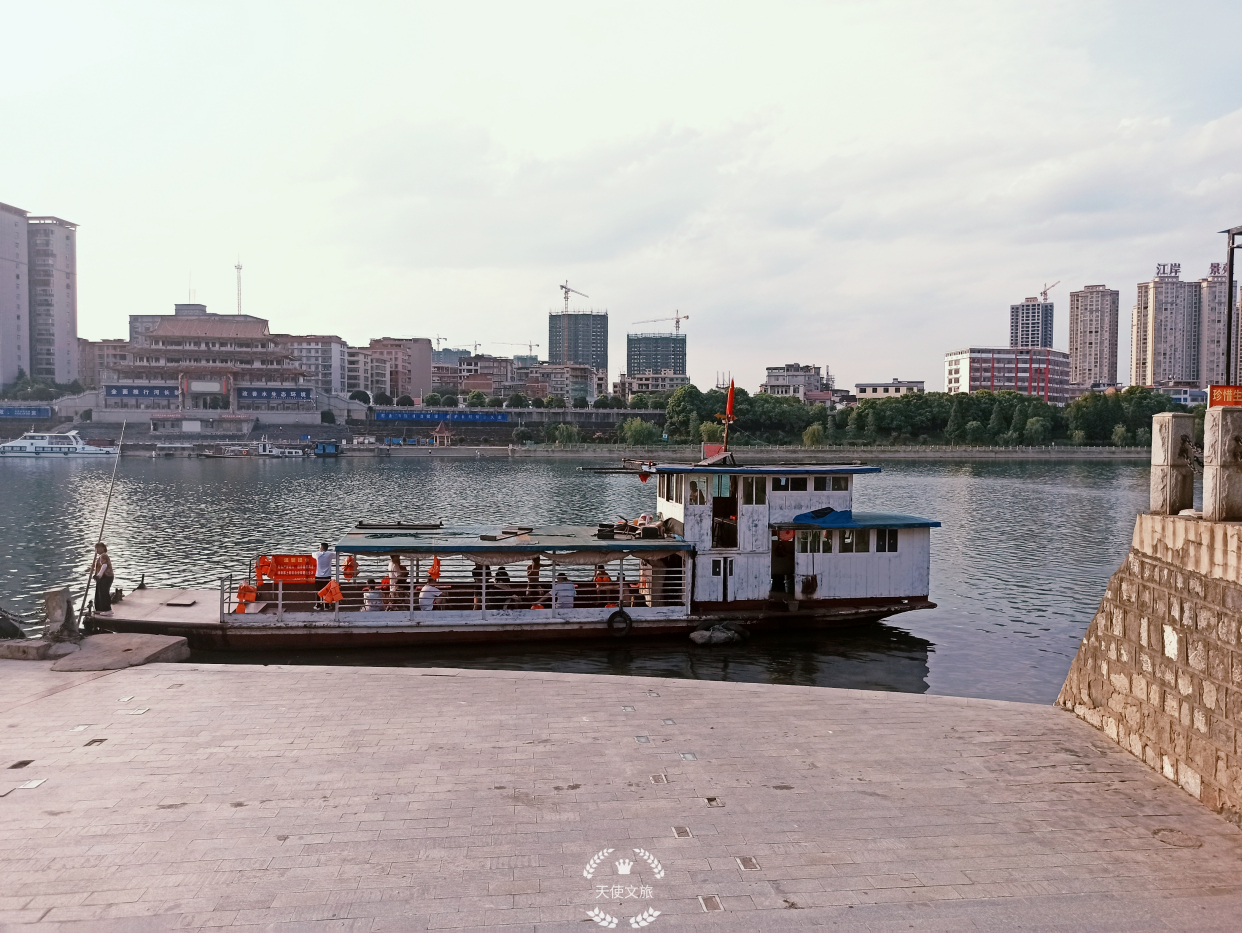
809, 541
797, 484
840, 484
821, 484
698, 492
748, 490
780, 484
680, 484
886, 540
847, 540
662, 486
827, 541
862, 540
761, 490
724, 486
716, 567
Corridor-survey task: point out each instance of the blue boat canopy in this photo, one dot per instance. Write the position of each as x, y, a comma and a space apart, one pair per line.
381, 539
846, 518
775, 469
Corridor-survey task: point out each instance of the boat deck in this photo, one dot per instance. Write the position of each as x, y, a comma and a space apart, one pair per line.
167, 606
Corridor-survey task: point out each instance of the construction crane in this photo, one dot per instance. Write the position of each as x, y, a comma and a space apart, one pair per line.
677, 318
530, 345
439, 340
1043, 296
568, 291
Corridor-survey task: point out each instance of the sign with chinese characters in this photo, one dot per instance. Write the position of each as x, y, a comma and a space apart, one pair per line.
25, 412
1169, 268
1221, 396
141, 391
441, 416
1219, 268
293, 568
289, 394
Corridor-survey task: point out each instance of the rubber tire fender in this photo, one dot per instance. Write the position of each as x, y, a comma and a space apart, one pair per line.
620, 624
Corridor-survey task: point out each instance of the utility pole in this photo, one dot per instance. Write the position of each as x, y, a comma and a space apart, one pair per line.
238, 267
1231, 244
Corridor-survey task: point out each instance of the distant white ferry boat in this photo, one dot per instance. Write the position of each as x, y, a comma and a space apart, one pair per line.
53, 445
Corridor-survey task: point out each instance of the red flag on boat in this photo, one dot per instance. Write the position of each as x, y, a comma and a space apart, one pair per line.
729, 403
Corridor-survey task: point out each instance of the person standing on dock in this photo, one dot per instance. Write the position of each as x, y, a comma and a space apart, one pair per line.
323, 565
101, 571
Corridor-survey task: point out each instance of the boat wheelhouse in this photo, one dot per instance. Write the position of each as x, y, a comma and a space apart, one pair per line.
69, 444
762, 546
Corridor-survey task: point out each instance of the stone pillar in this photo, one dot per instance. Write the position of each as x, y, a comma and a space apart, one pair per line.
1172, 482
1222, 465
61, 621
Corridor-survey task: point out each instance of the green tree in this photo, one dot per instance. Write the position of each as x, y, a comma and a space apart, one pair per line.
997, 423
639, 400
600, 402
405, 401
813, 436
325, 417
1078, 438
616, 401
449, 400
518, 400
1037, 431
580, 401
682, 414
476, 399
872, 433
523, 435
431, 399
1018, 424
566, 434
976, 433
830, 431
495, 402
554, 401
711, 433
853, 429
536, 402
639, 433
359, 396
956, 425
382, 398
1142, 437
1121, 437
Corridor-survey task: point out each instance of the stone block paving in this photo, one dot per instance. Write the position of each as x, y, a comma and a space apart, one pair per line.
373, 799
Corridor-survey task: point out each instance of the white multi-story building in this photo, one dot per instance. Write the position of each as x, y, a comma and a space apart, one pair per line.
1030, 323
1165, 345
14, 294
325, 360
1038, 371
644, 383
881, 389
1093, 315
53, 256
792, 380
409, 364
366, 372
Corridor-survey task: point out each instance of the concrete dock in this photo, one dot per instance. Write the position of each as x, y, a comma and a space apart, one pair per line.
190, 796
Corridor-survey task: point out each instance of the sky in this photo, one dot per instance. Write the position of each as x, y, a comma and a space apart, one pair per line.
863, 186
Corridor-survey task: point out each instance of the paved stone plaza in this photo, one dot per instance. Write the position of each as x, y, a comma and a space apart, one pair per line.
376, 799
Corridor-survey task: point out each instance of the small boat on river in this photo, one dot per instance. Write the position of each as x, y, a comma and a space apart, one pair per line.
53, 446
752, 545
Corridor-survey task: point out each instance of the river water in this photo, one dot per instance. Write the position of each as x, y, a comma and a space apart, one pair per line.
1017, 570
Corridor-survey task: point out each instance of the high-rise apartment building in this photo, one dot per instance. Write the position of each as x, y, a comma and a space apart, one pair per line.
1165, 345
1213, 302
53, 257
14, 294
323, 357
409, 364
1030, 323
38, 296
647, 354
580, 337
1093, 314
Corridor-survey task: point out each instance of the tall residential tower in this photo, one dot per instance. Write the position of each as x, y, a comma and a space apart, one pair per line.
1030, 323
1164, 332
1093, 314
580, 337
14, 294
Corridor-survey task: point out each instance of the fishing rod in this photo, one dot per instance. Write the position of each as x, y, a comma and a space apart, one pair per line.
102, 524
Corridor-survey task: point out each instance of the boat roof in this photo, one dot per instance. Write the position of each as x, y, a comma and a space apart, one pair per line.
767, 469
470, 538
846, 518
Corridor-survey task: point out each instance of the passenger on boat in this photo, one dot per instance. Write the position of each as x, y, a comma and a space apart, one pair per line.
372, 598
323, 565
697, 495
606, 594
428, 594
398, 579
532, 579
563, 592
101, 571
502, 594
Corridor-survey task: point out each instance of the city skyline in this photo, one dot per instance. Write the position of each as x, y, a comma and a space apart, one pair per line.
420, 187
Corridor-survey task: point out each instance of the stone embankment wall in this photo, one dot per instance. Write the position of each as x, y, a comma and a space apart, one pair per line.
1160, 667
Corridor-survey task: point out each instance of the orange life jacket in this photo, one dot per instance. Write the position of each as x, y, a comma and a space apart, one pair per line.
350, 567
433, 572
247, 593
331, 593
263, 568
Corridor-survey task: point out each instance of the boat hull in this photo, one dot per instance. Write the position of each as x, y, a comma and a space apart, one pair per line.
266, 633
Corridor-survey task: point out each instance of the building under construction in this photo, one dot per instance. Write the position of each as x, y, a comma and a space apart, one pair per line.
579, 337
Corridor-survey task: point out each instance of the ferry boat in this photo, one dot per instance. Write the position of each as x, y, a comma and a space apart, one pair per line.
69, 444
759, 546
263, 448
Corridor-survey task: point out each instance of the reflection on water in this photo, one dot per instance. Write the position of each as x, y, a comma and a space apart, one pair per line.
870, 657
1017, 570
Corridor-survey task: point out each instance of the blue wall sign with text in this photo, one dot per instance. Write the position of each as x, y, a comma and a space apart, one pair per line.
141, 391
25, 412
275, 393
441, 416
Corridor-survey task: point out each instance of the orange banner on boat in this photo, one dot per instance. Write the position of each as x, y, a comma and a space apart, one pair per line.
292, 568
1220, 396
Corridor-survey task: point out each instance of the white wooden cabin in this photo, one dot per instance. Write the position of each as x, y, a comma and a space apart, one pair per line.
788, 533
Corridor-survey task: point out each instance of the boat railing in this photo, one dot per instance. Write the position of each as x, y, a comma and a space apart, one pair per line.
456, 589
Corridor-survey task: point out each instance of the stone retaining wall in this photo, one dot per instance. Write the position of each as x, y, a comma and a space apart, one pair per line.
1160, 667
